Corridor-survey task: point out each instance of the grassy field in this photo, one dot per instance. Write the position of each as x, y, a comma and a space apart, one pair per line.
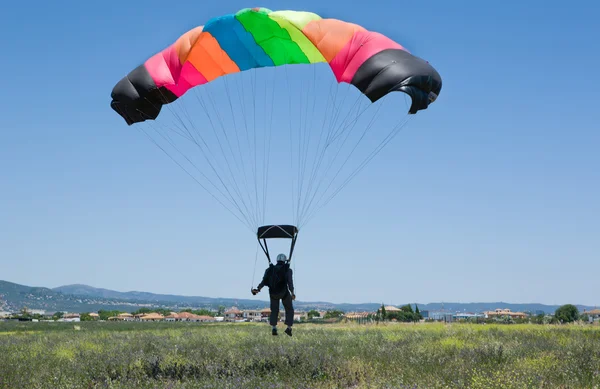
190, 355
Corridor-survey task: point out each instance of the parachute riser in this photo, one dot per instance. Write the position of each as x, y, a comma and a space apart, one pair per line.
292, 247
290, 232
265, 249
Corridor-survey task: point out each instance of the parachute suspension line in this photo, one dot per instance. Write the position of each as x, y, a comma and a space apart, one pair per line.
231, 198
327, 143
392, 134
254, 142
231, 179
366, 130
264, 157
243, 108
301, 136
220, 178
254, 269
340, 146
317, 166
225, 157
298, 143
221, 147
329, 103
179, 130
306, 135
171, 143
206, 152
267, 158
254, 133
374, 153
195, 179
237, 138
335, 111
334, 127
350, 123
307, 138
395, 130
265, 249
287, 79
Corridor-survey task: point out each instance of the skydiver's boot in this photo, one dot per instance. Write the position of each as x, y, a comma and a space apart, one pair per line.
274, 331
288, 331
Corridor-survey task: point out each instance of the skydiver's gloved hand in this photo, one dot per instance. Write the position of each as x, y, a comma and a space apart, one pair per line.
293, 297
255, 291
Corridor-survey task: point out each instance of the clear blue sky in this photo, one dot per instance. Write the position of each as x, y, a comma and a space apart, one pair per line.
490, 195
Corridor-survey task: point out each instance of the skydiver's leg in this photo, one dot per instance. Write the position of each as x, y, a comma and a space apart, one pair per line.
274, 312
289, 309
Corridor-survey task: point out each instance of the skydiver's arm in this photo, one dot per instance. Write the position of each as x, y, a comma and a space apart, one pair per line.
264, 280
290, 281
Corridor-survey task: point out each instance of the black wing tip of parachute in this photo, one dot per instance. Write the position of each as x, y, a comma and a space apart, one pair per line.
277, 231
380, 75
137, 99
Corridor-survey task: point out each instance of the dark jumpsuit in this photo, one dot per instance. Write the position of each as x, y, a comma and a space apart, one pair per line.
285, 296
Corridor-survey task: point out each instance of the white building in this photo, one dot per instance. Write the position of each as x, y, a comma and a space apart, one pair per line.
468, 316
252, 315
70, 317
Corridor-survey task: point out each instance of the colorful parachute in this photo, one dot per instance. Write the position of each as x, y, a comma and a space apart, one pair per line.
233, 142
258, 37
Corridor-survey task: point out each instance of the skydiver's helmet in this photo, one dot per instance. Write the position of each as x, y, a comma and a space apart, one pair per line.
281, 258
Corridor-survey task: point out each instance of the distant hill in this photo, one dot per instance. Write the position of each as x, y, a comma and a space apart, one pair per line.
89, 291
84, 298
14, 297
85, 290
26, 294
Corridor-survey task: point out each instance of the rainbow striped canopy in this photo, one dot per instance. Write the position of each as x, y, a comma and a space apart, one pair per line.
258, 37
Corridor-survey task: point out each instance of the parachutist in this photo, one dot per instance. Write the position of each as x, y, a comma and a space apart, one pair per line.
278, 278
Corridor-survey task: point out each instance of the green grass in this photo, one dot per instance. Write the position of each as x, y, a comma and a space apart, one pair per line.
191, 355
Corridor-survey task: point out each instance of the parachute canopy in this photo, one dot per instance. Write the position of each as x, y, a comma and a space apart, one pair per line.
220, 102
258, 37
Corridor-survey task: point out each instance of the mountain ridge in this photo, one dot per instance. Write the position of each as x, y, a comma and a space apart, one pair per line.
85, 298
